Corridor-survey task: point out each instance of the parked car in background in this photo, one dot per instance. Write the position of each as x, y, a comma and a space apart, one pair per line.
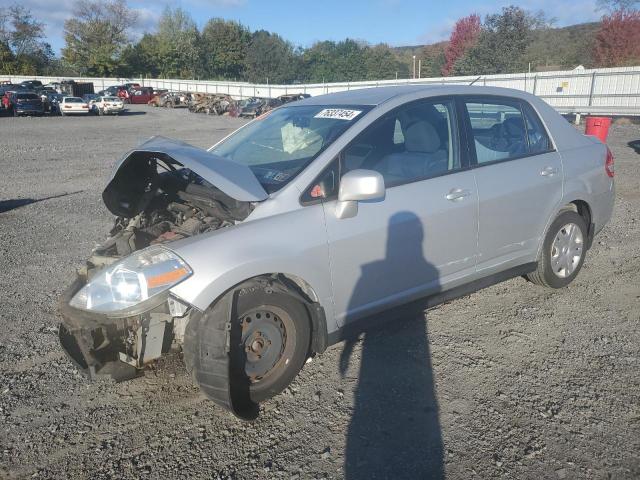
31, 84
130, 86
107, 105
52, 104
138, 95
26, 103
88, 97
112, 90
73, 105
254, 107
6, 87
54, 86
305, 224
293, 97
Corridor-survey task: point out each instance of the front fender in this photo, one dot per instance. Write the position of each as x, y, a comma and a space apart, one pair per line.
293, 243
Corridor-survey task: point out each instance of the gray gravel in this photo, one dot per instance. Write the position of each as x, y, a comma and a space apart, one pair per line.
515, 381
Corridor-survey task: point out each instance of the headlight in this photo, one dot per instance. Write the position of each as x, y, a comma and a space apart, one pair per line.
130, 281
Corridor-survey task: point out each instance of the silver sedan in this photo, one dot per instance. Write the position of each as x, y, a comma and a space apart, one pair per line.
317, 218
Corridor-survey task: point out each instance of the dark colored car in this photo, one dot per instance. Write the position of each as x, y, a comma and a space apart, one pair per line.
31, 84
293, 97
6, 87
113, 90
257, 106
26, 103
52, 103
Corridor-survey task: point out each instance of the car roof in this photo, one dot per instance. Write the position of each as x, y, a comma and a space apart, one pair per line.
378, 95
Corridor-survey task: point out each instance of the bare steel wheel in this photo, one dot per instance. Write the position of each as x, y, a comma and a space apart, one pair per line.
249, 345
265, 342
273, 341
566, 250
563, 251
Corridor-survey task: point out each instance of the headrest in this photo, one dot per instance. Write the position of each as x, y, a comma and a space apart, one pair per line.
421, 137
514, 126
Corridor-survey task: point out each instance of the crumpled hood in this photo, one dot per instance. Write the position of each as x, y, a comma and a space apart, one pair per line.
234, 179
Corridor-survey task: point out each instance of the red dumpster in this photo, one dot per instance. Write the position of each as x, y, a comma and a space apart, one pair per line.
598, 127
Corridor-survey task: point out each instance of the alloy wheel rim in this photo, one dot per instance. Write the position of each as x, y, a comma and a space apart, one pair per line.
566, 250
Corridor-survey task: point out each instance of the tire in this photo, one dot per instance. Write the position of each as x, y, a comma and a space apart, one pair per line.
558, 267
270, 338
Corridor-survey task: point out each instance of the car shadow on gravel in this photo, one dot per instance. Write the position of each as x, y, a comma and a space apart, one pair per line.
394, 430
7, 205
635, 144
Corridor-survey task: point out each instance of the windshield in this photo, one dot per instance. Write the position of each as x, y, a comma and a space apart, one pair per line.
280, 144
72, 100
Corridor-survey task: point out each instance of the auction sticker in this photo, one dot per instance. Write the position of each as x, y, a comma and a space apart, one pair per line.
338, 113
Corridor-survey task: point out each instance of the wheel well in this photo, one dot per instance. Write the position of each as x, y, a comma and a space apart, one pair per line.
298, 287
582, 208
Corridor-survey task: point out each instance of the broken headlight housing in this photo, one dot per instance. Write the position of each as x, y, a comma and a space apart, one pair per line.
131, 281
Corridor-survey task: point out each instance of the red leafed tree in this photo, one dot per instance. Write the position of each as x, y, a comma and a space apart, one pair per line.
617, 43
464, 36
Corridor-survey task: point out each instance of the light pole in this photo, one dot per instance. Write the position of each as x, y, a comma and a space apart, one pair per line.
414, 66
420, 68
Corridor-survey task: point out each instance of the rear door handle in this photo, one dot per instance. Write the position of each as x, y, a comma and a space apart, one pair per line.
548, 171
457, 194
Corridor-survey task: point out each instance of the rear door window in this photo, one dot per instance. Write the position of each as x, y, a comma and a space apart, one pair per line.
498, 130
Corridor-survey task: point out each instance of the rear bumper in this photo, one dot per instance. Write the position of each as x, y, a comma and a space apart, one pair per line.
29, 111
119, 347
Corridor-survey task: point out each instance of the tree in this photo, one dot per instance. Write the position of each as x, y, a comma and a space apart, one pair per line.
502, 43
464, 36
7, 59
382, 63
22, 48
433, 59
97, 34
269, 57
178, 53
617, 43
224, 47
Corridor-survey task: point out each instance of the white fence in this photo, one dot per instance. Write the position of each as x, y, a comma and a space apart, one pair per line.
605, 91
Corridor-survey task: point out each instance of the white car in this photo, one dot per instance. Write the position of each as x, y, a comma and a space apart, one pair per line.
107, 105
70, 105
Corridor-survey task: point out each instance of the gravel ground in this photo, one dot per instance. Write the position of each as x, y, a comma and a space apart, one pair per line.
515, 381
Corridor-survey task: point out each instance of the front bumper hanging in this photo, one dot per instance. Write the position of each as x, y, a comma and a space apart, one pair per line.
119, 347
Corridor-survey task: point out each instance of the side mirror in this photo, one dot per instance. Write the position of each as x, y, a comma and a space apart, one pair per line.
356, 186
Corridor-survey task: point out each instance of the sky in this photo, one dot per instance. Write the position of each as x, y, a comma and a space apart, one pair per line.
396, 22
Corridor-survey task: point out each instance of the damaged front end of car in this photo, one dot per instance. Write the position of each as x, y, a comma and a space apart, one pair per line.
119, 314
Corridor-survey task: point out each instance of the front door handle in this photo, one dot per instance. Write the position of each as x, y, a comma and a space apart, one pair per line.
457, 195
548, 171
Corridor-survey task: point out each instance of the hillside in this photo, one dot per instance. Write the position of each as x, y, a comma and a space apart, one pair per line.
550, 49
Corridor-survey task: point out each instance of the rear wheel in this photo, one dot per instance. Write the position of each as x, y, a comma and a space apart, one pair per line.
563, 251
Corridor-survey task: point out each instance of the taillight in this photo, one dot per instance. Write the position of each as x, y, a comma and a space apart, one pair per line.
609, 166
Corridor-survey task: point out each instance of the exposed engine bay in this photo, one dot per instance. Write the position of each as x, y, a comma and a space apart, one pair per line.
155, 202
